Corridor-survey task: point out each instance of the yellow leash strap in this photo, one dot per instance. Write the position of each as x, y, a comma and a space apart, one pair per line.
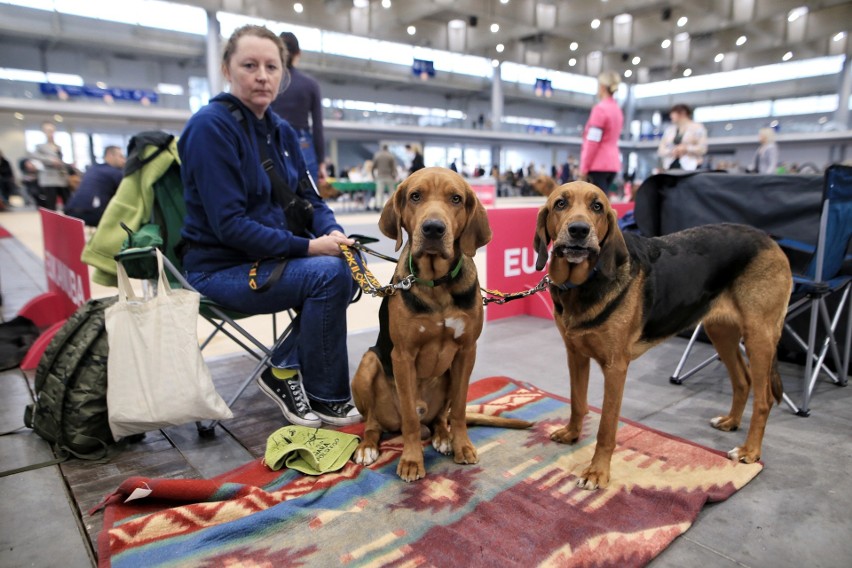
365, 279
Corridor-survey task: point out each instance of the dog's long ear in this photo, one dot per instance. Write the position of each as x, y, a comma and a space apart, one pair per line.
390, 221
542, 238
477, 231
614, 250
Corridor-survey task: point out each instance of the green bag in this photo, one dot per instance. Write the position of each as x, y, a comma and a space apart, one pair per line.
141, 266
70, 410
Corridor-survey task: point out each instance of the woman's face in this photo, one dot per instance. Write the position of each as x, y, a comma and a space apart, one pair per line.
677, 117
255, 72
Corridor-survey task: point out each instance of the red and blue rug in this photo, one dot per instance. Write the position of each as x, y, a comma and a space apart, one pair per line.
519, 506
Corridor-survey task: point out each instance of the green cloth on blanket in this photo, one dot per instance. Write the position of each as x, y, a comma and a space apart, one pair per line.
310, 450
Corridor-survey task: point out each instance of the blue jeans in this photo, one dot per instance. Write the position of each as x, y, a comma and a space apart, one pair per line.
306, 143
321, 287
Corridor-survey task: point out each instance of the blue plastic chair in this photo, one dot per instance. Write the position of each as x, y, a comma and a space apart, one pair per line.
819, 276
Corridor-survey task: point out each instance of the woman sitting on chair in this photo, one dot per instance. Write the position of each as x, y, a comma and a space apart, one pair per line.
249, 199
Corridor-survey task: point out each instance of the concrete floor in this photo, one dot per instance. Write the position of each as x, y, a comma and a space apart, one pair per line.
797, 512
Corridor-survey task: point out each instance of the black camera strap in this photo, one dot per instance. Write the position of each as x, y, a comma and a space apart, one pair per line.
281, 191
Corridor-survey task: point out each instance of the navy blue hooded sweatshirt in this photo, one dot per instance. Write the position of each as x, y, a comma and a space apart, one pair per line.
231, 218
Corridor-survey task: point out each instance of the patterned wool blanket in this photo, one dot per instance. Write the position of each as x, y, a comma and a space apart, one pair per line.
519, 506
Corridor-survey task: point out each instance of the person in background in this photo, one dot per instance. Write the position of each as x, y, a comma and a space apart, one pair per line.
684, 142
416, 158
330, 170
454, 167
234, 220
766, 156
7, 181
52, 173
599, 156
565, 173
300, 104
384, 174
29, 179
97, 187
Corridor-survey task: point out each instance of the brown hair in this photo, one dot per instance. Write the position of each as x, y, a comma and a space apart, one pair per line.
683, 109
256, 31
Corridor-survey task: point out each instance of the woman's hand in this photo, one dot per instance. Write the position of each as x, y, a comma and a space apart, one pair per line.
329, 245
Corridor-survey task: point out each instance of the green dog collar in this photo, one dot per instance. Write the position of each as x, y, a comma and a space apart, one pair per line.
438, 281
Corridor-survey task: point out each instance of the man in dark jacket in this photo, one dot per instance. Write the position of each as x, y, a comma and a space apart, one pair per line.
97, 187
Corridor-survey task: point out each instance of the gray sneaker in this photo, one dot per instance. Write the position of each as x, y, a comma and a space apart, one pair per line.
290, 397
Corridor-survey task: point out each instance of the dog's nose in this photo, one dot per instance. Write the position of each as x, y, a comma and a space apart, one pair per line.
433, 229
578, 230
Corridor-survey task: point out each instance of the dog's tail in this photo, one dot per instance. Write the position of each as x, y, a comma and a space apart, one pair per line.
477, 419
775, 384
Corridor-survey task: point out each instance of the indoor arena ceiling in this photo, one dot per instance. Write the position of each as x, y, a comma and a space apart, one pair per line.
654, 39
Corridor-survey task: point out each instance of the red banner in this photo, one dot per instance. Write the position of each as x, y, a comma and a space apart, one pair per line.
487, 193
511, 263
67, 275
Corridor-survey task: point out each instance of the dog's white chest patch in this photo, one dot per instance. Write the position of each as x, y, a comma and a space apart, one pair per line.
457, 325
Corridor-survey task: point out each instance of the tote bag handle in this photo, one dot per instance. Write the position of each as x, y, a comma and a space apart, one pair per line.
125, 289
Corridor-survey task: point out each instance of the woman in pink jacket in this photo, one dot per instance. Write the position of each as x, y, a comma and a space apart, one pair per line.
599, 157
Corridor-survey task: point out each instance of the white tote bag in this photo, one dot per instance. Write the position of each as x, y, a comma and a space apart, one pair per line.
156, 374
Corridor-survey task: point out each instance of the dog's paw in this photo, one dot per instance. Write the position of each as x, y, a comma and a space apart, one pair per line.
442, 444
366, 454
410, 470
565, 435
465, 453
743, 455
592, 478
725, 423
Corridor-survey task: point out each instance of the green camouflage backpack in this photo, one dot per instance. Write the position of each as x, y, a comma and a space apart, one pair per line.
70, 410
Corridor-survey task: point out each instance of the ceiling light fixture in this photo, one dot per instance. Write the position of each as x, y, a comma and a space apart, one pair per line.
623, 19
719, 57
500, 47
574, 45
298, 8
596, 23
729, 127
411, 30
19, 116
386, 4
360, 3
666, 43
797, 13
504, 1
823, 119
572, 62
456, 24
741, 40
682, 21
687, 72
787, 56
636, 60
628, 73
495, 28
839, 36
495, 63
58, 118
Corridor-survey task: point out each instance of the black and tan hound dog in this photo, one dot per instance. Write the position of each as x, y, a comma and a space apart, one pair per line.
617, 295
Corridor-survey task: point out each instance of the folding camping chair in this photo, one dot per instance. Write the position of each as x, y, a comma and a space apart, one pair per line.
168, 214
817, 273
